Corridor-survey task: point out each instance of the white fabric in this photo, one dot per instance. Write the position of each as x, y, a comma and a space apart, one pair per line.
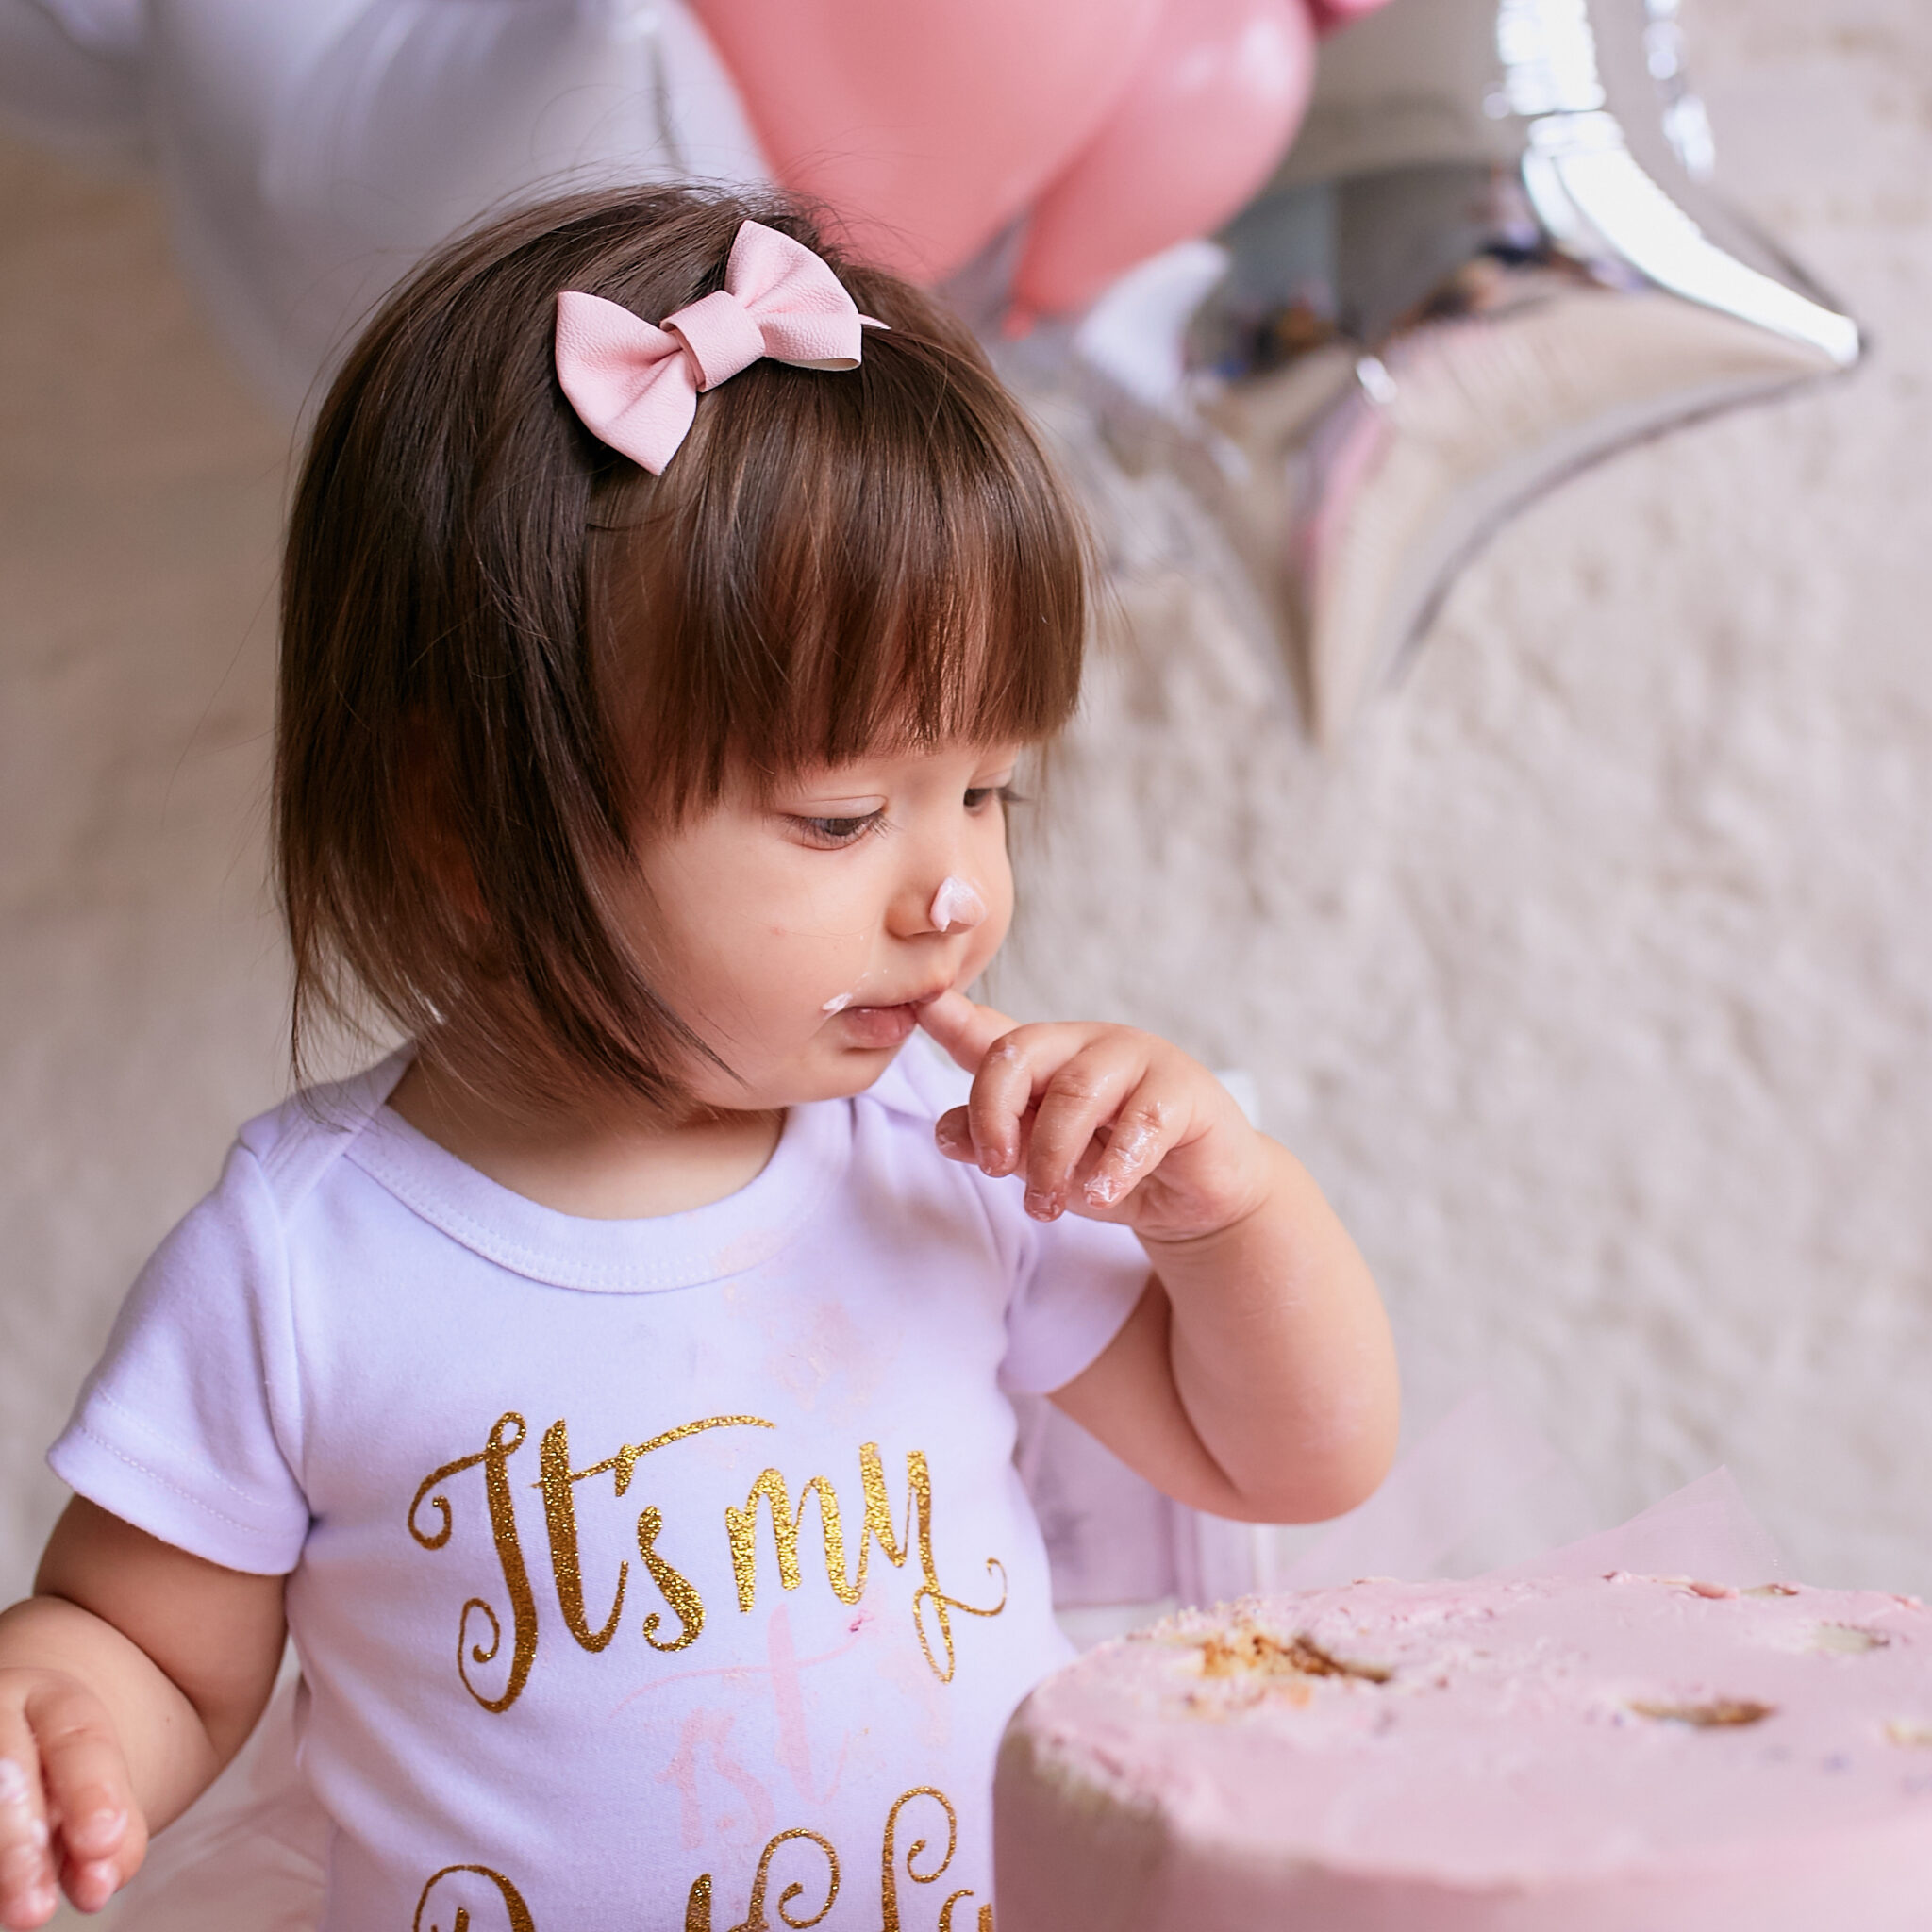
316, 148
313, 150
114, 27
353, 1311
70, 77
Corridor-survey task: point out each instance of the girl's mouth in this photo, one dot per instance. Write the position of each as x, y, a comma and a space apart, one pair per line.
880, 1027
877, 1025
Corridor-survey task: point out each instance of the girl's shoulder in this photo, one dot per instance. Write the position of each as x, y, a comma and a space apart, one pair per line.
293, 1145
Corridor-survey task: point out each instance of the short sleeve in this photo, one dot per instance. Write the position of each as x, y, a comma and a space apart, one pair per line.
1078, 1283
185, 1426
1073, 1282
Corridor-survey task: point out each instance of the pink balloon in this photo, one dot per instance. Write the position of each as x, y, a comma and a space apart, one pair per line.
1331, 16
927, 125
1220, 87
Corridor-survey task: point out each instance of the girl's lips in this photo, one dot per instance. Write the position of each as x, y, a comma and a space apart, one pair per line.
880, 1025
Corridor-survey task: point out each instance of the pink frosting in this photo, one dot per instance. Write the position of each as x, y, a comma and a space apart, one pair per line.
1540, 1754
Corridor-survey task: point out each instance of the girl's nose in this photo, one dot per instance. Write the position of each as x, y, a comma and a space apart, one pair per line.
957, 907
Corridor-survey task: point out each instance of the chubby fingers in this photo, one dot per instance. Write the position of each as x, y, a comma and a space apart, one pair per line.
988, 1130
1069, 1106
1078, 1118
1138, 1140
963, 1029
1019, 1069
28, 1894
96, 1829
66, 1810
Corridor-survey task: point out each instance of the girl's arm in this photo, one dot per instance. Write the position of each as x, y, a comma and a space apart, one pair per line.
127, 1680
1256, 1377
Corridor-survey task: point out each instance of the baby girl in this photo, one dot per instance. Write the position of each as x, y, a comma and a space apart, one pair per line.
609, 1391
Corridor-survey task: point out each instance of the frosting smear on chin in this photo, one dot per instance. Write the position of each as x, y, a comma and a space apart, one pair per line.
1620, 1754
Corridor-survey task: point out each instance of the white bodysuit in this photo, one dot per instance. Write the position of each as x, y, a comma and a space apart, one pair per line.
647, 1576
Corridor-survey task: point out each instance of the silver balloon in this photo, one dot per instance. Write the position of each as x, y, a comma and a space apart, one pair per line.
1490, 259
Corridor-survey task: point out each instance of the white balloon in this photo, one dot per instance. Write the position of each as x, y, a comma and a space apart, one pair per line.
106, 26
315, 151
70, 74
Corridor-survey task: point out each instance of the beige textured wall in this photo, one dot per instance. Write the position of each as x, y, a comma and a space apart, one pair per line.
140, 982
1594, 976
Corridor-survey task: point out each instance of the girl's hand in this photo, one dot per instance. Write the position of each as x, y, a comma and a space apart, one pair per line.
1256, 1377
67, 1811
1102, 1121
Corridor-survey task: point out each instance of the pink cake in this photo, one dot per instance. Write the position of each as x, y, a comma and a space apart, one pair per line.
1626, 1753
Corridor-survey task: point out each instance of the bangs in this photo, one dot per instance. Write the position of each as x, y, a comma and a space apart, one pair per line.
837, 563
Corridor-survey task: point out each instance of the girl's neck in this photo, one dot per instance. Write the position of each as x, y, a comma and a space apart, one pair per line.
588, 1164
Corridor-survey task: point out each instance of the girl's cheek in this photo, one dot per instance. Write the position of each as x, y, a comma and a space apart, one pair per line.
998, 875
988, 937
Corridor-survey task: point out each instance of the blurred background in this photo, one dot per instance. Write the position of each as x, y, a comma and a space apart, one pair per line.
1586, 958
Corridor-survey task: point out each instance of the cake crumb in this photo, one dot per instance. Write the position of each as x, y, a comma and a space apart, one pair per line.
1317, 1662
1720, 1713
1218, 1710
1847, 1639
1258, 1652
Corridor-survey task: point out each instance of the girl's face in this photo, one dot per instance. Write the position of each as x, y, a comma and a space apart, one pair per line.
799, 933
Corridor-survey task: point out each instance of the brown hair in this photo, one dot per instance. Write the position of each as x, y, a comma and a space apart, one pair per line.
507, 650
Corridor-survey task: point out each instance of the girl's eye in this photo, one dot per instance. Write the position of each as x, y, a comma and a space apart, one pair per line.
976, 795
838, 831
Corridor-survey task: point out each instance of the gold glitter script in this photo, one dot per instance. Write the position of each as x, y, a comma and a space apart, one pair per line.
698, 1902
697, 1906
675, 1585
558, 1483
506, 1438
889, 1863
519, 1919
741, 1530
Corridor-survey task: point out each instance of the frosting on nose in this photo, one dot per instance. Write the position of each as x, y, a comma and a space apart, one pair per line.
956, 905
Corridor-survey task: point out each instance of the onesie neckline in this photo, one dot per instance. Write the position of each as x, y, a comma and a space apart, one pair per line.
648, 1256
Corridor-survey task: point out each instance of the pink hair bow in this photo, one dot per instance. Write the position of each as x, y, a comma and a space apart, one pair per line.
636, 386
